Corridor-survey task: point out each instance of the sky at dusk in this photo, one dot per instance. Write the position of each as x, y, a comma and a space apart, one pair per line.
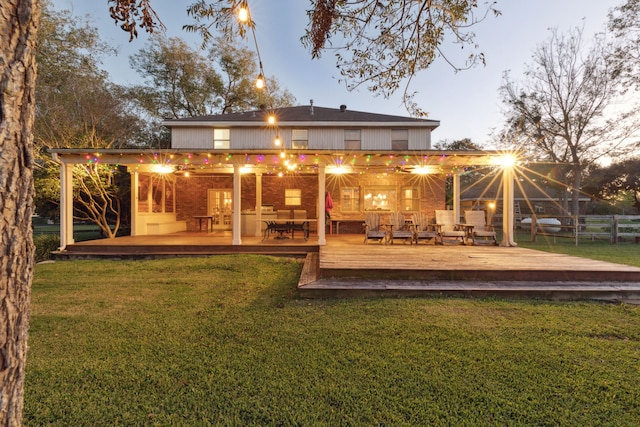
466, 103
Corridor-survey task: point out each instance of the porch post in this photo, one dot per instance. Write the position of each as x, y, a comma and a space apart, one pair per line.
236, 225
322, 239
456, 196
134, 203
507, 207
66, 205
258, 232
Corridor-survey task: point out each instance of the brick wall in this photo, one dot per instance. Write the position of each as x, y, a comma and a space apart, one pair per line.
192, 192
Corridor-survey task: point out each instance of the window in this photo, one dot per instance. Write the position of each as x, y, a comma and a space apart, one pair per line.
155, 195
292, 197
409, 199
300, 139
221, 139
350, 199
399, 139
380, 199
352, 139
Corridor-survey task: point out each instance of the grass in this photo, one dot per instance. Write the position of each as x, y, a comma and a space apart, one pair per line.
621, 253
225, 341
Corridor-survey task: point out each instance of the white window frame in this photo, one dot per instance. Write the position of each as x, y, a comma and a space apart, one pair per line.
221, 139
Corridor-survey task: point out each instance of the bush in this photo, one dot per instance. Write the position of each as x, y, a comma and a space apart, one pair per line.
45, 244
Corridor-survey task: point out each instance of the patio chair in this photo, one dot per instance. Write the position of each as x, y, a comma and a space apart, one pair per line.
280, 225
399, 228
481, 232
299, 225
448, 228
423, 229
373, 229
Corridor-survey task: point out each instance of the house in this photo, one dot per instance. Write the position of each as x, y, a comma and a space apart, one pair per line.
234, 170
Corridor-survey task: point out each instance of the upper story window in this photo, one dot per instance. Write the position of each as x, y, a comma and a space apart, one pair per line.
352, 139
221, 138
399, 139
300, 139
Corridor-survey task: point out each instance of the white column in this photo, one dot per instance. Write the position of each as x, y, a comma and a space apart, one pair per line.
258, 232
134, 203
507, 207
66, 205
322, 238
456, 196
236, 224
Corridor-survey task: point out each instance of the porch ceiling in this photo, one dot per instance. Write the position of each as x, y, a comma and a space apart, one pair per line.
302, 161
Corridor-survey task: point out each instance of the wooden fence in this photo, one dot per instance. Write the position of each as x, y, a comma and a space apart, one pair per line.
615, 228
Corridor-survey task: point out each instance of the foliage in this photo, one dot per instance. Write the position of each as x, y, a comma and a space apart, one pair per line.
224, 341
566, 109
45, 244
380, 45
77, 107
619, 180
182, 82
624, 24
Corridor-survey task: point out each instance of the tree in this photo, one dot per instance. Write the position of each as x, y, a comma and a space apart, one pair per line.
19, 21
77, 107
182, 82
382, 45
624, 24
179, 82
565, 109
618, 180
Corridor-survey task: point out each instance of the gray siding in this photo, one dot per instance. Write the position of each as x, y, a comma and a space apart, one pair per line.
319, 138
419, 139
376, 139
196, 137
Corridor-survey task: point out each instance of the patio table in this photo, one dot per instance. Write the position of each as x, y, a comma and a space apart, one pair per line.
208, 223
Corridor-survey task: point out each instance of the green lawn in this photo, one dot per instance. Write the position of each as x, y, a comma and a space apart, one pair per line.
225, 341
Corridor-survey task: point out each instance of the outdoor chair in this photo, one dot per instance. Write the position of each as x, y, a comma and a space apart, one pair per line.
481, 232
399, 229
280, 225
448, 228
299, 225
423, 229
373, 229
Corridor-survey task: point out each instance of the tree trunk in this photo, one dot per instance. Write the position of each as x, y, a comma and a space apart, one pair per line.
19, 21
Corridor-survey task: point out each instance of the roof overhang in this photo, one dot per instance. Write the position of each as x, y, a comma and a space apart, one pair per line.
210, 161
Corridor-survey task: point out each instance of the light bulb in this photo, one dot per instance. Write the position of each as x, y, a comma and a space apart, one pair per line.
260, 83
277, 142
243, 14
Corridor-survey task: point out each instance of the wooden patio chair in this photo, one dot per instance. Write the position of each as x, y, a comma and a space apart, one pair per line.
448, 228
481, 232
298, 225
423, 229
399, 228
373, 228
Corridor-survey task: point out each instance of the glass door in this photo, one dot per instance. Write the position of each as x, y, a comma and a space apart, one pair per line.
219, 206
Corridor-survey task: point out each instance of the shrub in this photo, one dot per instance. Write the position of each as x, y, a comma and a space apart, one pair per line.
45, 244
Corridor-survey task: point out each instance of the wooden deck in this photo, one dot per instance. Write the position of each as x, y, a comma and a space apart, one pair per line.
345, 266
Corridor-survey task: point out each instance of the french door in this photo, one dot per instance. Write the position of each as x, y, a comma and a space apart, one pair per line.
219, 206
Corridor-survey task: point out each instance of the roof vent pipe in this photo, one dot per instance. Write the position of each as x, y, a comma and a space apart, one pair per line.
343, 108
311, 102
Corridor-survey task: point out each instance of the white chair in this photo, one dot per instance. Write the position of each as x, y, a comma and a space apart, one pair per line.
448, 227
481, 232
